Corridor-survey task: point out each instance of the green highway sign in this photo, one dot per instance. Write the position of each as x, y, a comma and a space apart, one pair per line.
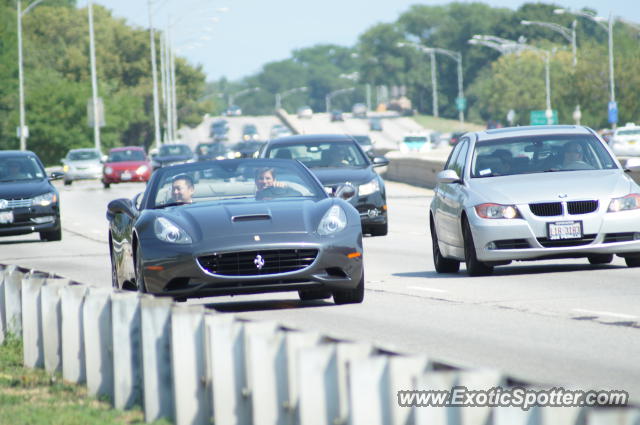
461, 103
540, 118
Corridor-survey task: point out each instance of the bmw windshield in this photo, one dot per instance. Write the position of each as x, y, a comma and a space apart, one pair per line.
539, 154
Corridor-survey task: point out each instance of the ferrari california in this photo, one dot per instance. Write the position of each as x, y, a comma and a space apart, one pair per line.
237, 227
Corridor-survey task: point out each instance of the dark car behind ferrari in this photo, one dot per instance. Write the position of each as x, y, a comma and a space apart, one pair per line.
172, 154
237, 236
337, 159
28, 201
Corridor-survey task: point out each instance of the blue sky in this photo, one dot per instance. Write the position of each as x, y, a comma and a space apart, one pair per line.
254, 32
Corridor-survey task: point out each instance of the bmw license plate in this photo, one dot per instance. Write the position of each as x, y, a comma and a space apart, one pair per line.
565, 230
6, 217
125, 176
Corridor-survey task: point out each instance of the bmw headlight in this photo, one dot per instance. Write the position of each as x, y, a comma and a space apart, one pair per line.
369, 188
108, 170
169, 232
497, 211
334, 221
625, 203
142, 169
45, 200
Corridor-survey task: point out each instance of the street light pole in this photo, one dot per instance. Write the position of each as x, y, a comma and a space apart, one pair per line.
434, 84
281, 96
21, 131
568, 34
94, 79
154, 76
331, 95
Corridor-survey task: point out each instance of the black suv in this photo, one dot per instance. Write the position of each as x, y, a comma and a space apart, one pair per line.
28, 201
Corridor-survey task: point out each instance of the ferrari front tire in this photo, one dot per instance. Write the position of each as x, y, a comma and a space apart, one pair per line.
350, 296
313, 294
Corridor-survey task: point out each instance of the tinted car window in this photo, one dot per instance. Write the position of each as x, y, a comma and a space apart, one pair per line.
167, 150
126, 155
319, 154
83, 155
537, 154
20, 168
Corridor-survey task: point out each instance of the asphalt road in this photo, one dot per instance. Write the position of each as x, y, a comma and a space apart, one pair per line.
558, 322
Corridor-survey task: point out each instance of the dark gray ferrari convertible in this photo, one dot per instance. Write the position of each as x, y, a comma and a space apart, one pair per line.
237, 227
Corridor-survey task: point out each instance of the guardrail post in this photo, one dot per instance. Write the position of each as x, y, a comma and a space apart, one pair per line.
540, 416
52, 323
156, 357
13, 300
125, 315
617, 416
98, 344
192, 402
369, 389
323, 384
71, 302
266, 365
453, 415
32, 347
226, 348
3, 325
295, 341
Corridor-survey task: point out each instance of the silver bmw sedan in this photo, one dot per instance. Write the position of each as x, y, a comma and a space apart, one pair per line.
533, 193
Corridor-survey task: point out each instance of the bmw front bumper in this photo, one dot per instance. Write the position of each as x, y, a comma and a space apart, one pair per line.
527, 238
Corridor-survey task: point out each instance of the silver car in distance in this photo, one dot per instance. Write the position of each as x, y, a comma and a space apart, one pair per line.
533, 193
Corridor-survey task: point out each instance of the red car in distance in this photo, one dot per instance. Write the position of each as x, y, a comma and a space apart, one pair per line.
127, 164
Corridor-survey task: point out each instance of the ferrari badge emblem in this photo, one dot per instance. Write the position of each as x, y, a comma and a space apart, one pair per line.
259, 262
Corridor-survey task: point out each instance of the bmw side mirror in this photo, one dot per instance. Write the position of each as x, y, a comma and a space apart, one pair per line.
632, 164
345, 191
448, 176
380, 161
56, 175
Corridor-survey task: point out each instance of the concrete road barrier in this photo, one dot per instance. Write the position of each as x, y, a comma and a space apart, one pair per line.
98, 341
73, 359
51, 313
157, 372
127, 356
32, 344
194, 367
191, 394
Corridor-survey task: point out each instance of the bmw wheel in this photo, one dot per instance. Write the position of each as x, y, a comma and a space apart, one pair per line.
441, 263
632, 261
474, 266
600, 258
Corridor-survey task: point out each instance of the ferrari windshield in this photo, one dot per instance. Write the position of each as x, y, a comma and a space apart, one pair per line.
319, 154
539, 154
244, 180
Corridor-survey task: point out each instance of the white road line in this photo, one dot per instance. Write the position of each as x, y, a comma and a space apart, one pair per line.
422, 288
605, 313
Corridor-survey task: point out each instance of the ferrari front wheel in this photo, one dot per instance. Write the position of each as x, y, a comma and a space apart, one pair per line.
350, 296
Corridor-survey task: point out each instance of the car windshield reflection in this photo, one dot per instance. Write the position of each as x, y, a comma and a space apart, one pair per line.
322, 155
539, 154
234, 180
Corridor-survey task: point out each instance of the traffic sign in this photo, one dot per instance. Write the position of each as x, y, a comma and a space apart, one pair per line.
540, 117
613, 112
461, 103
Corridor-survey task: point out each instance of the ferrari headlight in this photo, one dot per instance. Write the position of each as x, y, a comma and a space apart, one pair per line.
497, 211
625, 203
334, 221
169, 232
108, 170
369, 188
45, 200
142, 169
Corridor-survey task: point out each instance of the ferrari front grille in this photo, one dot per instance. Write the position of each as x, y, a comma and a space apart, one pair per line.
255, 263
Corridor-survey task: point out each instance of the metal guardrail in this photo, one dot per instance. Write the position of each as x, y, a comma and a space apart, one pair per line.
195, 366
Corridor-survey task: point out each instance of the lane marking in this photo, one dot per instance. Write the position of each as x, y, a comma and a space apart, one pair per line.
605, 313
422, 288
